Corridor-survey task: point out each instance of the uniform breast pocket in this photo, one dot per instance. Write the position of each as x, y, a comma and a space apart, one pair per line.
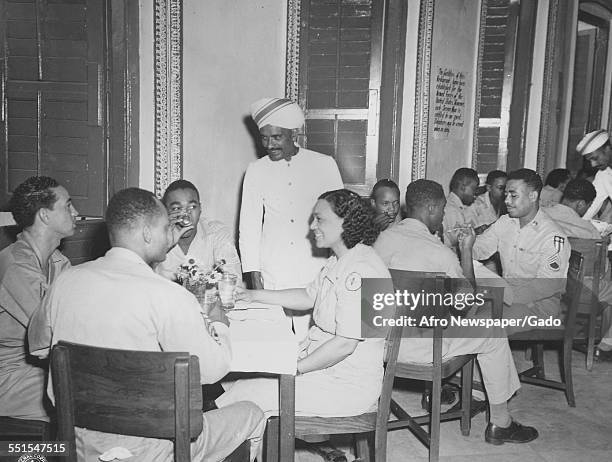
533, 259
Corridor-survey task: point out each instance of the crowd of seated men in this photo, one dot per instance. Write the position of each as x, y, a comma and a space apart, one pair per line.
305, 244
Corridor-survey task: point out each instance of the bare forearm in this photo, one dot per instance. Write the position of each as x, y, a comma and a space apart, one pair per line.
331, 352
295, 299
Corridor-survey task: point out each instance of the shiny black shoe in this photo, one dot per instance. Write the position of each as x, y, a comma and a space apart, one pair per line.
515, 433
603, 355
476, 408
447, 396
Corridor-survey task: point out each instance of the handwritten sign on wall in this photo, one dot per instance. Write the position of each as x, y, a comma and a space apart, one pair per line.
449, 103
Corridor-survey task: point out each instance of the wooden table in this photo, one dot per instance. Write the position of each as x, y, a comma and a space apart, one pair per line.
262, 341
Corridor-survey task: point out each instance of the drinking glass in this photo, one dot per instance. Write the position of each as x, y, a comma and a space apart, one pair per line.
227, 290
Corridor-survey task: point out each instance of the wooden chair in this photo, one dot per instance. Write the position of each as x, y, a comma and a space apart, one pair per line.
595, 254
563, 336
413, 281
12, 429
138, 393
361, 426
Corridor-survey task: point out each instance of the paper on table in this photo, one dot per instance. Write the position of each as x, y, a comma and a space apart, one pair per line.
244, 314
244, 305
262, 341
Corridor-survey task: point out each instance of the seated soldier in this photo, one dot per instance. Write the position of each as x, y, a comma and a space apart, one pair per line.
552, 192
577, 198
208, 242
488, 207
44, 210
533, 250
386, 201
130, 307
457, 212
412, 245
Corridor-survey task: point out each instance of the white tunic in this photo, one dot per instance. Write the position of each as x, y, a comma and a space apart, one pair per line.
277, 202
603, 186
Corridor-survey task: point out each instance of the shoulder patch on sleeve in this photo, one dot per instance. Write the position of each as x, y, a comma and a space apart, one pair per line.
353, 281
559, 242
554, 263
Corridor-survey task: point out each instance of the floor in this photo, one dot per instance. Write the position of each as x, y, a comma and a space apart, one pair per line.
567, 434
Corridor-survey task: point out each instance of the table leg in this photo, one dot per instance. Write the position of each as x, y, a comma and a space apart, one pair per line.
286, 427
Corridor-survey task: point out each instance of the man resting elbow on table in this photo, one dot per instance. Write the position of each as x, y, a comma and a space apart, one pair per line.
117, 301
339, 372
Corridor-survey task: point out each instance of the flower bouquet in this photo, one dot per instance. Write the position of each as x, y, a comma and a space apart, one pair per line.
203, 284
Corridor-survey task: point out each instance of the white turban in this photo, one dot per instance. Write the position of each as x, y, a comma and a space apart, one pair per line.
592, 142
278, 112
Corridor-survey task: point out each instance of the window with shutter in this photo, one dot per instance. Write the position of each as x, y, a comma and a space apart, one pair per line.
491, 84
340, 75
53, 97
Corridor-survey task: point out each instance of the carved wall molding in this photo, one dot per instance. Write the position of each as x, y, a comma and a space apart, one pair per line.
478, 77
421, 108
547, 88
292, 62
168, 31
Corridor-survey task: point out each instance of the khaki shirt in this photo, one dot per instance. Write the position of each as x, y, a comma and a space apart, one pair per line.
534, 258
337, 311
410, 246
483, 211
456, 214
550, 196
23, 284
571, 223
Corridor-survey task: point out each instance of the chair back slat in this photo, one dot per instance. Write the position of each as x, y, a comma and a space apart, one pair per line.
493, 296
574, 288
595, 254
129, 392
181, 415
422, 281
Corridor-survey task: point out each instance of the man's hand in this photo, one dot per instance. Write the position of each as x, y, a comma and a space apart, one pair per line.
243, 294
256, 280
466, 239
383, 220
177, 230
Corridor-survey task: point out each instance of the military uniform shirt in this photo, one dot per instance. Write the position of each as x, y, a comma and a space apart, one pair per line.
534, 258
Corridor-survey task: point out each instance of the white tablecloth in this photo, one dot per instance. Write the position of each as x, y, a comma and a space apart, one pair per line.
262, 340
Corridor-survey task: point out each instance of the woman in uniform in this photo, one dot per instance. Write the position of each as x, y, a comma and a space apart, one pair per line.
339, 372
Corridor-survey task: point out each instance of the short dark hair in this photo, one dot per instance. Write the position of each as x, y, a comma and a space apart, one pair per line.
358, 225
494, 175
386, 183
462, 176
531, 178
422, 192
127, 207
577, 190
179, 184
30, 196
558, 176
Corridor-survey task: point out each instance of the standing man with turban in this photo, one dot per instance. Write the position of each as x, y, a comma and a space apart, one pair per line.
278, 194
595, 147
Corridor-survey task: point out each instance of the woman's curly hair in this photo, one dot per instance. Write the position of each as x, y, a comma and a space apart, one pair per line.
358, 225
29, 197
